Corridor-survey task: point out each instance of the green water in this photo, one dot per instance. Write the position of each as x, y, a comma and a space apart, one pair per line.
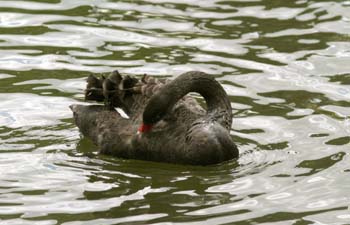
284, 64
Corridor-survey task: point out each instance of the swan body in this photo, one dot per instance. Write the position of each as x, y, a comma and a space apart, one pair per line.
164, 123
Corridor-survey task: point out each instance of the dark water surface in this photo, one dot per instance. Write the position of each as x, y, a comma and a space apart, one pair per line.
285, 65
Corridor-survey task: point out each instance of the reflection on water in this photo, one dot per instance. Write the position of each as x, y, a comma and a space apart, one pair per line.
285, 65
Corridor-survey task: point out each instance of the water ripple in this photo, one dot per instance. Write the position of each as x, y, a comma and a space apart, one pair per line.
284, 65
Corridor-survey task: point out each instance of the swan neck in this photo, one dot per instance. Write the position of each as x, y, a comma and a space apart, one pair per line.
218, 104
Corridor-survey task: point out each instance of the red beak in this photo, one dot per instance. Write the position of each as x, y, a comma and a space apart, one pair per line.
145, 128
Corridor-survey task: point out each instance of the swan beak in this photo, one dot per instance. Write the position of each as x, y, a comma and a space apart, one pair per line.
144, 128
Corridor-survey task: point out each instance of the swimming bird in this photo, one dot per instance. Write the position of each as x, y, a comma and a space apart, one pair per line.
164, 124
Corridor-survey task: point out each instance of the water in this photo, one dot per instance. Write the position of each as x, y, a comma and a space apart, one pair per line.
285, 65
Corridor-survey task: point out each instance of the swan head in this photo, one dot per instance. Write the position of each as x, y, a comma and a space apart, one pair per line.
155, 110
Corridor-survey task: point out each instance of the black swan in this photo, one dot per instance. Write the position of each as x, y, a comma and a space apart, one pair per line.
164, 123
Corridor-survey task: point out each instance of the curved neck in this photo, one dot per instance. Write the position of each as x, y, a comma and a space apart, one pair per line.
218, 104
